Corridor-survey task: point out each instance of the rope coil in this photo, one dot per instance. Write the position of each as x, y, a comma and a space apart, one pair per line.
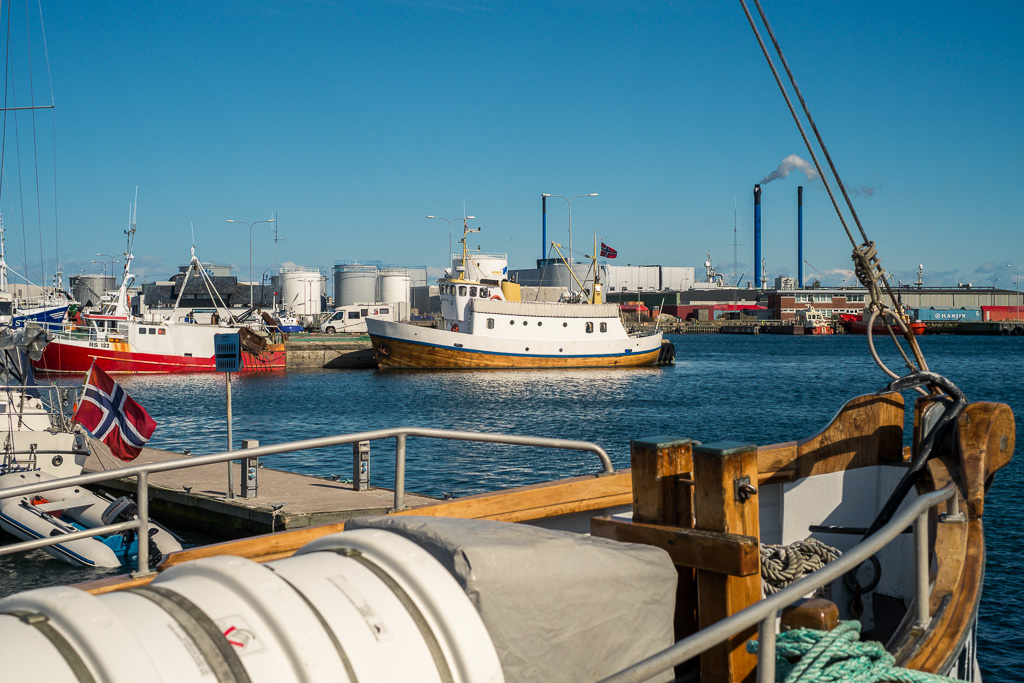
806, 656
781, 565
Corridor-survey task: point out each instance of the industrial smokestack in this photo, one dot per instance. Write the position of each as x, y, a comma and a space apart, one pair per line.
800, 236
757, 236
543, 227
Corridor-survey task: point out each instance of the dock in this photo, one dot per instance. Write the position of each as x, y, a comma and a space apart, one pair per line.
335, 351
197, 497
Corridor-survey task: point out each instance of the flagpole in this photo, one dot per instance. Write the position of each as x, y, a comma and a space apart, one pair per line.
231, 484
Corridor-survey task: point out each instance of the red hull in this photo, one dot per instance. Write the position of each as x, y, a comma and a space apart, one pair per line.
859, 327
61, 357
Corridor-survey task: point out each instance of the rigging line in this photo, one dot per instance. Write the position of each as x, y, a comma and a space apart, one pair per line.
7, 55
810, 119
842, 187
35, 148
799, 125
865, 252
53, 121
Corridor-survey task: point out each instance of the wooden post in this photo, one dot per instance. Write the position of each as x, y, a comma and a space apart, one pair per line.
662, 470
725, 500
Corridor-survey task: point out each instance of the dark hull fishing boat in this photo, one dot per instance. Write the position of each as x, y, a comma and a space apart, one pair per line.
702, 561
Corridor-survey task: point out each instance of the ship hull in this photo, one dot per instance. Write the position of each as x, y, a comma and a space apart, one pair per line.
404, 346
70, 356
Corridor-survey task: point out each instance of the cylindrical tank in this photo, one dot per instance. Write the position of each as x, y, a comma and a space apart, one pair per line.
354, 283
300, 290
88, 289
366, 605
483, 266
393, 287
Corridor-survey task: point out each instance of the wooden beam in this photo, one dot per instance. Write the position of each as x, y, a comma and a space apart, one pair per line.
724, 473
662, 469
730, 554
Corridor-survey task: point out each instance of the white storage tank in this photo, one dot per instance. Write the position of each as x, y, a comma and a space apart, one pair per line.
483, 266
355, 283
300, 290
393, 286
88, 289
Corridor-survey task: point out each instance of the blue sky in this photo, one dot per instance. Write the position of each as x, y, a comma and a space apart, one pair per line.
351, 121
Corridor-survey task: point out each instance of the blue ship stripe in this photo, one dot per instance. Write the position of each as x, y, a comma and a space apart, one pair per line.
515, 355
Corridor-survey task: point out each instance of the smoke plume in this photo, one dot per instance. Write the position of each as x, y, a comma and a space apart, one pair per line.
791, 163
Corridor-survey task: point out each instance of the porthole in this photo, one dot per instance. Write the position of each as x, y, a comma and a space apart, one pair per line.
526, 322
511, 322
539, 323
565, 324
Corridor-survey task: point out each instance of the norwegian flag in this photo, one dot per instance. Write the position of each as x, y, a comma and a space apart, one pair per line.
112, 416
608, 252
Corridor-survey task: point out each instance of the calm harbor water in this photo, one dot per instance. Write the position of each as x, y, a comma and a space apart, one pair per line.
757, 389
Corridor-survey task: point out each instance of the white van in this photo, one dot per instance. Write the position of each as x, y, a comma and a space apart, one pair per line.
352, 318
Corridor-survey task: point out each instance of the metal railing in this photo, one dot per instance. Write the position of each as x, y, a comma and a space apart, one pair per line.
764, 612
141, 474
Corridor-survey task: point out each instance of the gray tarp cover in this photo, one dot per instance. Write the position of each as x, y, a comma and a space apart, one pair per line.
558, 606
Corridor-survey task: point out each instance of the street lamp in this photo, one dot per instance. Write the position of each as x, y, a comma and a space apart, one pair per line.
249, 225
112, 262
569, 201
442, 218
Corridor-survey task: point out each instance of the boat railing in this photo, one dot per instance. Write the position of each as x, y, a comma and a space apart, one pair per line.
764, 613
59, 402
142, 472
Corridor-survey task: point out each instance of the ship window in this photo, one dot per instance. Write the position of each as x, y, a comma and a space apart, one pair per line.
472, 291
462, 290
383, 311
161, 331
143, 330
483, 292
490, 323
590, 327
353, 315
365, 312
604, 327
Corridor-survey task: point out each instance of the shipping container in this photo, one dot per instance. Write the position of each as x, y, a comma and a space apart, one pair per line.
996, 313
952, 315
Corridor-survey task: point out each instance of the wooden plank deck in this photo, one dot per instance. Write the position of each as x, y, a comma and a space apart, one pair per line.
197, 497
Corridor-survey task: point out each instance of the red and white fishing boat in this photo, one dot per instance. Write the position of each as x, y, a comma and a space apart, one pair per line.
120, 343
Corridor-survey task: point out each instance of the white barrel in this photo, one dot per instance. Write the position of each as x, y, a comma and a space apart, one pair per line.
364, 605
393, 287
355, 284
300, 291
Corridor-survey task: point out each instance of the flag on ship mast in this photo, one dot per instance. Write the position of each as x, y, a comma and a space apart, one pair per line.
608, 252
112, 416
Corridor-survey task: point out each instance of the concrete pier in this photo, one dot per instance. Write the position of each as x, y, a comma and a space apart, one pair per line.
338, 351
197, 497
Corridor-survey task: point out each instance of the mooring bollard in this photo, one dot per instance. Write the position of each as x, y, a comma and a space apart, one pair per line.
361, 466
250, 470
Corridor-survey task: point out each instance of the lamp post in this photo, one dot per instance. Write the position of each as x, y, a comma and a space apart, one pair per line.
569, 202
249, 225
112, 262
442, 218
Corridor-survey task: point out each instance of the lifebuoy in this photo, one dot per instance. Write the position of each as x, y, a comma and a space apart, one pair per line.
495, 298
455, 328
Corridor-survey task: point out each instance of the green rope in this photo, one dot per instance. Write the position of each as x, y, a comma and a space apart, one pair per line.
809, 656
